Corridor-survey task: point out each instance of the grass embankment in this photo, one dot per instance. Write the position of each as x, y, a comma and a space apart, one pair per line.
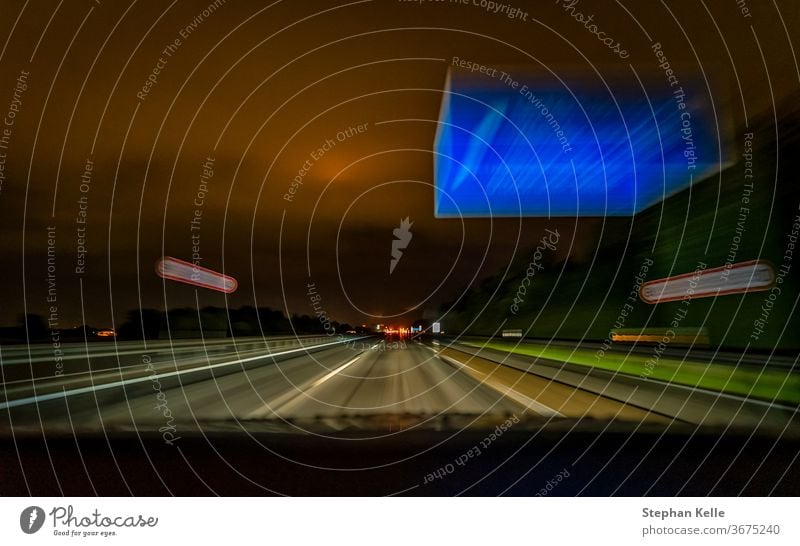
770, 384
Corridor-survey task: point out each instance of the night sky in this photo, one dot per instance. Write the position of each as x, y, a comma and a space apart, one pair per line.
242, 102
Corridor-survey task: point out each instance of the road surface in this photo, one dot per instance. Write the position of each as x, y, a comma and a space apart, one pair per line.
155, 387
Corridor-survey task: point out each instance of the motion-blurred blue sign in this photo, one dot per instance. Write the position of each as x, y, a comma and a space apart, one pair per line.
513, 143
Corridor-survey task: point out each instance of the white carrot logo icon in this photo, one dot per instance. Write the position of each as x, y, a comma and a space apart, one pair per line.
34, 516
402, 238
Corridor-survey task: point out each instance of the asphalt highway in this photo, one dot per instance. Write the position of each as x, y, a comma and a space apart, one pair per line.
329, 379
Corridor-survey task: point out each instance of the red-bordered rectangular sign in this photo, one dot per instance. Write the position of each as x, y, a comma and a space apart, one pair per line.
189, 273
749, 276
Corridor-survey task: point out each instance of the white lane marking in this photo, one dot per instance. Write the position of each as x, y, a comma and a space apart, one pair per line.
330, 374
297, 393
84, 390
530, 403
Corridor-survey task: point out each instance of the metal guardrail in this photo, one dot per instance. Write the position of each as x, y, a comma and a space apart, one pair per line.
170, 372
19, 365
